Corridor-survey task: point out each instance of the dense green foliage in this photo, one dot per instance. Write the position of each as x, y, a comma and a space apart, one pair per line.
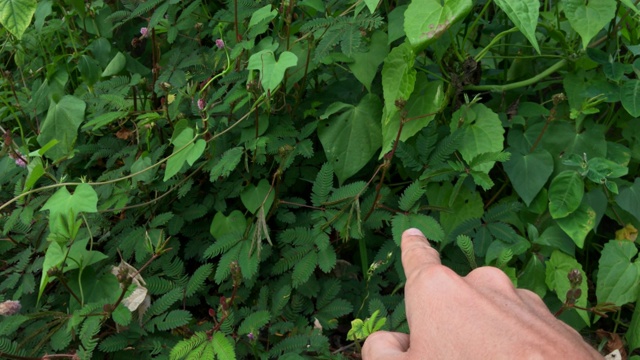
200, 179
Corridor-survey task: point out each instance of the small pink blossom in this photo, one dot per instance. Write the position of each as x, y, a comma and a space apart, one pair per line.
144, 31
220, 43
18, 158
10, 307
20, 162
250, 336
201, 104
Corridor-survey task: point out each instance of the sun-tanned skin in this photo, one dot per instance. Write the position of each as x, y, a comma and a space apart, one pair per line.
479, 316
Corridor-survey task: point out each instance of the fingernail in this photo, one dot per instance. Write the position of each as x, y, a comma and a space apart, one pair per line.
414, 232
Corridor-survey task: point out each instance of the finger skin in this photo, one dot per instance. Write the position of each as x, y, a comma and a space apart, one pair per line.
417, 254
383, 345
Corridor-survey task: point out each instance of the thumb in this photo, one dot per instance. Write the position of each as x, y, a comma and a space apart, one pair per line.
385, 345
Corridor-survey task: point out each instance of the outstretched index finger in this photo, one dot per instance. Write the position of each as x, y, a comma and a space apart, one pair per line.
416, 252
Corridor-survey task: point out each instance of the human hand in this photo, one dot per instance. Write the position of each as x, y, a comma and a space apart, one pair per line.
479, 316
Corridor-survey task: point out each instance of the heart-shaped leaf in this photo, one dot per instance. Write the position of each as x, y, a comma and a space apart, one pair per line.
253, 197
587, 18
271, 71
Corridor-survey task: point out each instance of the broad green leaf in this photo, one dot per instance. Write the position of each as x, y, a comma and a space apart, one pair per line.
64, 207
371, 5
630, 97
533, 276
558, 267
61, 124
426, 20
629, 199
618, 277
351, 137
578, 223
426, 101
565, 193
483, 133
428, 225
115, 65
529, 172
36, 170
184, 149
633, 334
15, 15
587, 18
365, 65
398, 80
78, 256
524, 15
271, 72
555, 237
263, 14
253, 197
223, 225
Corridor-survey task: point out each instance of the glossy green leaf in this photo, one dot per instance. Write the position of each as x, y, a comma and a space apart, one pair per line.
426, 20
351, 137
629, 199
253, 197
61, 124
365, 65
587, 18
426, 101
15, 15
398, 80
115, 65
578, 223
524, 15
630, 96
483, 133
529, 172
618, 276
271, 71
265, 13
557, 269
555, 237
565, 194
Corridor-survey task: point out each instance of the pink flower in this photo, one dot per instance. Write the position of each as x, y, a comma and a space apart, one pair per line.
144, 31
220, 43
18, 158
251, 337
20, 162
201, 104
10, 307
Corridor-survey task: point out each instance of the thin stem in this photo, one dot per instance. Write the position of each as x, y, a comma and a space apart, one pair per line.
501, 88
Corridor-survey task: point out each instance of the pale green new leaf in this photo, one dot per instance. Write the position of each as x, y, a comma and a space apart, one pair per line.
351, 137
16, 15
185, 149
587, 18
524, 15
398, 80
618, 277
